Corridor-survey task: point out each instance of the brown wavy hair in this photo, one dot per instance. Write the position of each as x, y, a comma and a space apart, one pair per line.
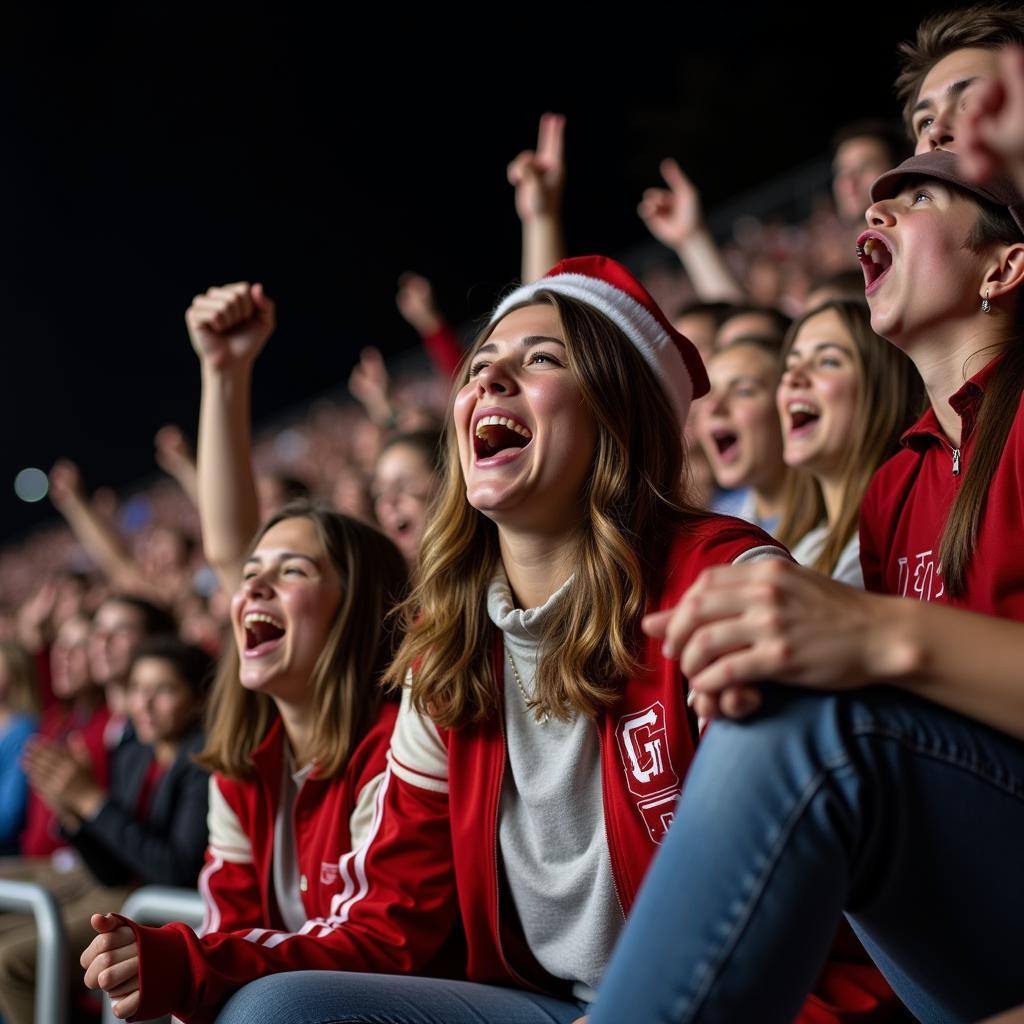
989, 26
633, 503
345, 680
890, 396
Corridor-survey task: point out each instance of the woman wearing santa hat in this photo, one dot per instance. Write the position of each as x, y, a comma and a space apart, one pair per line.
542, 739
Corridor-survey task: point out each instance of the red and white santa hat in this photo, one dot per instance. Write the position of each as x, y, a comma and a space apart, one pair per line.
611, 289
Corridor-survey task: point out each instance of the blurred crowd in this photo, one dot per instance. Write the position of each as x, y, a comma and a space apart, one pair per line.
112, 623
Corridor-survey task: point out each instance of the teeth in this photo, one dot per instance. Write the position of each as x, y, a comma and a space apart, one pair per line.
803, 407
501, 421
874, 249
260, 617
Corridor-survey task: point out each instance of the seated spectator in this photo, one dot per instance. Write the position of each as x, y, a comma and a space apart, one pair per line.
700, 321
758, 321
79, 719
738, 428
533, 717
298, 731
845, 398
854, 797
404, 482
120, 624
861, 152
147, 826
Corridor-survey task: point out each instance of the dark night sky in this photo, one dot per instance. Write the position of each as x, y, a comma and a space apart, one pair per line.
148, 155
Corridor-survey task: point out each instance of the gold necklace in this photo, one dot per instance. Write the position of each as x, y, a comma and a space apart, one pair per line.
543, 718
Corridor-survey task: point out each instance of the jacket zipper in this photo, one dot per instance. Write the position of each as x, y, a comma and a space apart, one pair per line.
520, 980
604, 808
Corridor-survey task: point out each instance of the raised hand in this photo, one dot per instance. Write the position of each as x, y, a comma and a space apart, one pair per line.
66, 484
229, 325
415, 301
35, 616
370, 385
111, 963
672, 214
171, 449
538, 175
991, 131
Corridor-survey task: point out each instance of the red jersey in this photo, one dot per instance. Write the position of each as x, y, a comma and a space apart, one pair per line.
236, 882
909, 498
430, 854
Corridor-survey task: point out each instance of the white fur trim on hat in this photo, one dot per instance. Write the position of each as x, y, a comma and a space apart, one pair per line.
633, 319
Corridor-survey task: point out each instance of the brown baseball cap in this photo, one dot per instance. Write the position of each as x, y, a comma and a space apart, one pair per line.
944, 166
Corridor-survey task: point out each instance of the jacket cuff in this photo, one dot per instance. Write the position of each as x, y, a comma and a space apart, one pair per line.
164, 969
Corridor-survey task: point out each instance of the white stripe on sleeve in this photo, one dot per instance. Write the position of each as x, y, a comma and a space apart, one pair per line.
418, 754
761, 552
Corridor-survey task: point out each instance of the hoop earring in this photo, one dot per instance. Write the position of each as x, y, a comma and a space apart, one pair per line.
986, 306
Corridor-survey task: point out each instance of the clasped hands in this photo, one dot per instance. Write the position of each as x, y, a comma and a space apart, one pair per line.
770, 620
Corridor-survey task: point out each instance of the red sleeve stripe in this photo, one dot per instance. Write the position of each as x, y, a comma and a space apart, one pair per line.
417, 771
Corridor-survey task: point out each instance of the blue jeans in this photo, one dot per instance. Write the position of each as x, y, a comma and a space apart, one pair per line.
907, 816
336, 997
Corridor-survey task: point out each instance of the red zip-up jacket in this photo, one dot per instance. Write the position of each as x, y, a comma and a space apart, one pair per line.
432, 848
908, 501
330, 817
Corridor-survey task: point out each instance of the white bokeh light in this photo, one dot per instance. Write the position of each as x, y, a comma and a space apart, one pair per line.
31, 484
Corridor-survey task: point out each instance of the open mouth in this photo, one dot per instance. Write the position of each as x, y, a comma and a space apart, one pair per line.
262, 633
494, 434
801, 416
726, 444
875, 260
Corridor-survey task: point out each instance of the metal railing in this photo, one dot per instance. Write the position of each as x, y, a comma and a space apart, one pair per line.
52, 955
159, 904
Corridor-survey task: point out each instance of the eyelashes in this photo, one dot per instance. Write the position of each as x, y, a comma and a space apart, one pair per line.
531, 359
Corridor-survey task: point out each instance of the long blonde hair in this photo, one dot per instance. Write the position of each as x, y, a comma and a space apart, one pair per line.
633, 502
890, 396
345, 680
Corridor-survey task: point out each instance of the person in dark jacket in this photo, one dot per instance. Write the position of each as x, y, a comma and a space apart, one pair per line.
148, 826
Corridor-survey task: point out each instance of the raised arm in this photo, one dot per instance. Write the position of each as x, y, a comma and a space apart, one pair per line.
742, 625
104, 546
228, 327
175, 458
675, 218
416, 302
370, 385
538, 176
